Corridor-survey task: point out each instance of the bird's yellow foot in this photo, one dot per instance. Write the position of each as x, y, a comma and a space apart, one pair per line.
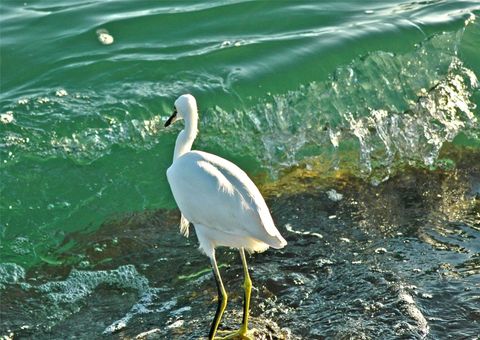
241, 334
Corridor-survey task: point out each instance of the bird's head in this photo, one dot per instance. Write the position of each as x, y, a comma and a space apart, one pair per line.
185, 108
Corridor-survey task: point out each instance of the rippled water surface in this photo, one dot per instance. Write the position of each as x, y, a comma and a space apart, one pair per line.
358, 120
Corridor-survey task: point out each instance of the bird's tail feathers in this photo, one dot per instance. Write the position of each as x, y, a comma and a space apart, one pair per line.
184, 226
277, 241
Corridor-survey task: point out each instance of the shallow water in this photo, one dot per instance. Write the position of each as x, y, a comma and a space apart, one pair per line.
397, 260
376, 101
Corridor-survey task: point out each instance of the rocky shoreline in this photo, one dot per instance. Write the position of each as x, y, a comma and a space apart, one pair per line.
363, 261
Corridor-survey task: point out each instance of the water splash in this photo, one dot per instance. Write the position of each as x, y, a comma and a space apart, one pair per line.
395, 108
389, 108
418, 133
98, 122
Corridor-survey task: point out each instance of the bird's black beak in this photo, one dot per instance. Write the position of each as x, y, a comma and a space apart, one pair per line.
172, 118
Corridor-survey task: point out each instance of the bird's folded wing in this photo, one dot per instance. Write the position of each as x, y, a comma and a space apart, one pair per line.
216, 193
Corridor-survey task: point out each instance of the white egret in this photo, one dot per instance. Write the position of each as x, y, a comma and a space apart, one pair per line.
223, 204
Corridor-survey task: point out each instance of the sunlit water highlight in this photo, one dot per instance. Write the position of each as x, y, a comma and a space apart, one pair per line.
337, 113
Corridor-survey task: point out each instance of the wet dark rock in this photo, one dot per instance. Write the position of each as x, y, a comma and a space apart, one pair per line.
397, 260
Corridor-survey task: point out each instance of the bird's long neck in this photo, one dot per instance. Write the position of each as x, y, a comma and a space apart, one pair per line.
185, 138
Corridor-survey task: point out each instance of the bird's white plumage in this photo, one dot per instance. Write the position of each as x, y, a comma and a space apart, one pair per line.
214, 193
222, 202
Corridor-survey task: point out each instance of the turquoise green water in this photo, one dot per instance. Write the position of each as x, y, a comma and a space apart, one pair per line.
277, 83
364, 87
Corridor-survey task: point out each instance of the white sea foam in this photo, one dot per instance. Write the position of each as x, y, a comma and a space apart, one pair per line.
11, 273
289, 228
6, 117
409, 306
80, 284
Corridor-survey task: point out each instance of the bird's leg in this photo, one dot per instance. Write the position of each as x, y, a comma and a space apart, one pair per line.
242, 333
247, 285
222, 299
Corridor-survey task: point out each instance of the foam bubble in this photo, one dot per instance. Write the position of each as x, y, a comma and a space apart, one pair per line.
409, 306
6, 117
43, 100
11, 273
104, 37
61, 93
80, 283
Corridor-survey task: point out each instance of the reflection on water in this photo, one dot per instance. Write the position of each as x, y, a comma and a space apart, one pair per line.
396, 260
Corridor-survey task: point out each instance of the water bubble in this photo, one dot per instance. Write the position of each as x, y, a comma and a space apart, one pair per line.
104, 37
61, 93
21, 246
43, 100
470, 19
84, 264
6, 117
